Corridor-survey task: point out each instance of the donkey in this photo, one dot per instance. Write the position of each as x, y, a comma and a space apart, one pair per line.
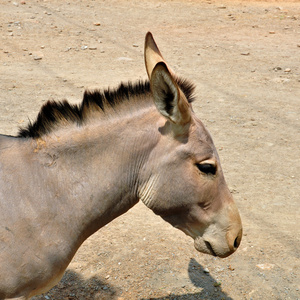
78, 167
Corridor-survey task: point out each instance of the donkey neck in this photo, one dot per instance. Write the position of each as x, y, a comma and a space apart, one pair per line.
96, 167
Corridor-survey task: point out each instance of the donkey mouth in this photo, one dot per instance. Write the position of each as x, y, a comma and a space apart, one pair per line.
210, 248
205, 247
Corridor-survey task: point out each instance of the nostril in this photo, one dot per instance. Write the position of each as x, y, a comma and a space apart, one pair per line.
237, 240
236, 243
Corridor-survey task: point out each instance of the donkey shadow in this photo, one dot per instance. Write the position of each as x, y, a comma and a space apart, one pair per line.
74, 287
211, 288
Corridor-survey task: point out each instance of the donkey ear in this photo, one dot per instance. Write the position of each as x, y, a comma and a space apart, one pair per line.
168, 98
152, 54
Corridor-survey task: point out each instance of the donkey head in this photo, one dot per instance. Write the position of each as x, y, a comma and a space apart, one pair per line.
184, 182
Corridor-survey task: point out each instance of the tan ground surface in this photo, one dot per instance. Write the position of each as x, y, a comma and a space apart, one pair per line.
245, 60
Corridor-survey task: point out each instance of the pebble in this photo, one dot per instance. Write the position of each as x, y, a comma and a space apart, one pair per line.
245, 53
216, 284
287, 70
272, 32
231, 268
93, 48
135, 45
265, 266
280, 80
124, 58
205, 270
97, 24
37, 57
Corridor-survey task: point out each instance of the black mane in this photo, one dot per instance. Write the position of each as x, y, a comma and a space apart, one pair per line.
53, 113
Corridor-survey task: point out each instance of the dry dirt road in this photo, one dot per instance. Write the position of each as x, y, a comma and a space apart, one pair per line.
244, 57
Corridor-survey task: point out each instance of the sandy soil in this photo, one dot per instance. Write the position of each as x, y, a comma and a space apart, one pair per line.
245, 60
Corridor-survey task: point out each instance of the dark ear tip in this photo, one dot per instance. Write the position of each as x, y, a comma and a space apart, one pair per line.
148, 37
149, 34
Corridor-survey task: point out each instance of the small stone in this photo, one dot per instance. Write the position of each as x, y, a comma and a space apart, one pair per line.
222, 7
93, 48
37, 57
135, 45
106, 277
271, 32
277, 69
245, 53
97, 24
265, 266
105, 288
205, 270
287, 70
216, 284
124, 58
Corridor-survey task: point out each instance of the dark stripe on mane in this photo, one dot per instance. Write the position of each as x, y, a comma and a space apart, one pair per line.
54, 113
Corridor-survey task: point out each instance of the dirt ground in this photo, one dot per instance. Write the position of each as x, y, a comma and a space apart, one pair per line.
244, 57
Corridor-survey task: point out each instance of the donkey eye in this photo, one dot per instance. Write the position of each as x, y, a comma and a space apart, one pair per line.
207, 168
